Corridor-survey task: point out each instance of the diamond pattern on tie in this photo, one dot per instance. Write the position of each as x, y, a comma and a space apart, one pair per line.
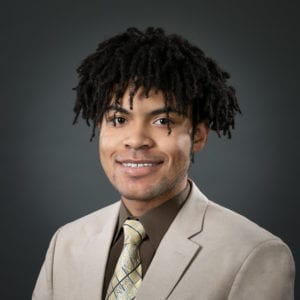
128, 272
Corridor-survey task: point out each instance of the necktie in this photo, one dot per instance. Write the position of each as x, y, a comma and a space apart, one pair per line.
127, 276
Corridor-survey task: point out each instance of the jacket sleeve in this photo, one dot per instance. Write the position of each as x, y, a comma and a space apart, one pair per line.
267, 273
44, 286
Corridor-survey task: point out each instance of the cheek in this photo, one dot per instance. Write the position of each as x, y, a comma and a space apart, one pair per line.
106, 141
105, 147
178, 147
183, 142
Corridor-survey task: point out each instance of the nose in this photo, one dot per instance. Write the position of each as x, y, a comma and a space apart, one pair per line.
138, 137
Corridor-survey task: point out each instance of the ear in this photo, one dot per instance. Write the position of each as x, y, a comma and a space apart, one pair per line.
200, 136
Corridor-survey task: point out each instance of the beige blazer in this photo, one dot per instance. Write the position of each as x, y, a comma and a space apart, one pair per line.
208, 253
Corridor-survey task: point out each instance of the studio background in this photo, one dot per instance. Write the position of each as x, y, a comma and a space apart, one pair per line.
50, 173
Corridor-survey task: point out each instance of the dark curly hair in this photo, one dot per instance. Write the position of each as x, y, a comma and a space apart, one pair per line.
155, 60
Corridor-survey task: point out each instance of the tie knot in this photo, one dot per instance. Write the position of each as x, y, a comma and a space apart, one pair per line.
134, 232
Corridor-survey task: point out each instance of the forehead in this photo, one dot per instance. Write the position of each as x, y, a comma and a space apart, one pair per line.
140, 98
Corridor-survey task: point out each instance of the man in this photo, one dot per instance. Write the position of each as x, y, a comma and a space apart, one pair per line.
154, 97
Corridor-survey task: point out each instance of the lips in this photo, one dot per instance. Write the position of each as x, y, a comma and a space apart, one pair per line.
141, 167
137, 165
136, 162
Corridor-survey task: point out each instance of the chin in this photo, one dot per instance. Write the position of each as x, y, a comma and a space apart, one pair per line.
138, 196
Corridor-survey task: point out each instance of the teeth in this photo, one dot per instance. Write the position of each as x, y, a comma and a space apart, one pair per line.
134, 165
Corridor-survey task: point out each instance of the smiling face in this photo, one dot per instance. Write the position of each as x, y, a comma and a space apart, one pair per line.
143, 162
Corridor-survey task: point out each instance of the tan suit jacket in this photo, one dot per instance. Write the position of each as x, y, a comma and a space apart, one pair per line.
208, 253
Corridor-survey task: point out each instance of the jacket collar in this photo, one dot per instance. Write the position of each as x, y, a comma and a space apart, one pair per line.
176, 250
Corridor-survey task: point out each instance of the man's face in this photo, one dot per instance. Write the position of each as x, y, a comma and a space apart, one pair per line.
140, 159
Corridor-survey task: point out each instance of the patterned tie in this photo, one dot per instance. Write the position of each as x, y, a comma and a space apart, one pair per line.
128, 272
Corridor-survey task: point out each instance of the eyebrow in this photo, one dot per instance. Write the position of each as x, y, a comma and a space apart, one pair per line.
155, 112
116, 108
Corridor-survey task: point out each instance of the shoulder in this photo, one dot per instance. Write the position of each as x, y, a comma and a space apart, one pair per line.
90, 224
243, 252
233, 226
225, 224
254, 254
74, 236
232, 233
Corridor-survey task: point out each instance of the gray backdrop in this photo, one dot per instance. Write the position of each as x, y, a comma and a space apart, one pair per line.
50, 172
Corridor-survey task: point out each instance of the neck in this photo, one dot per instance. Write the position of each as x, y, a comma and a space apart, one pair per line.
138, 208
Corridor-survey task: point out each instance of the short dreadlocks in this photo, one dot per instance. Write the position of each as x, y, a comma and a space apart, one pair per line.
155, 60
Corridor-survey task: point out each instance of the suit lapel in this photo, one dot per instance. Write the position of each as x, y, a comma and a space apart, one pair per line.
176, 250
95, 254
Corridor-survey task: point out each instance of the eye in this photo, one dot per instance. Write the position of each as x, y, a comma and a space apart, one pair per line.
119, 120
163, 121
116, 121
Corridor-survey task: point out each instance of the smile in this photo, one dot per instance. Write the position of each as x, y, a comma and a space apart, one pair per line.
139, 169
138, 165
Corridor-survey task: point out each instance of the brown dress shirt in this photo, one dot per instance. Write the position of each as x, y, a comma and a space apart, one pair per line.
156, 223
